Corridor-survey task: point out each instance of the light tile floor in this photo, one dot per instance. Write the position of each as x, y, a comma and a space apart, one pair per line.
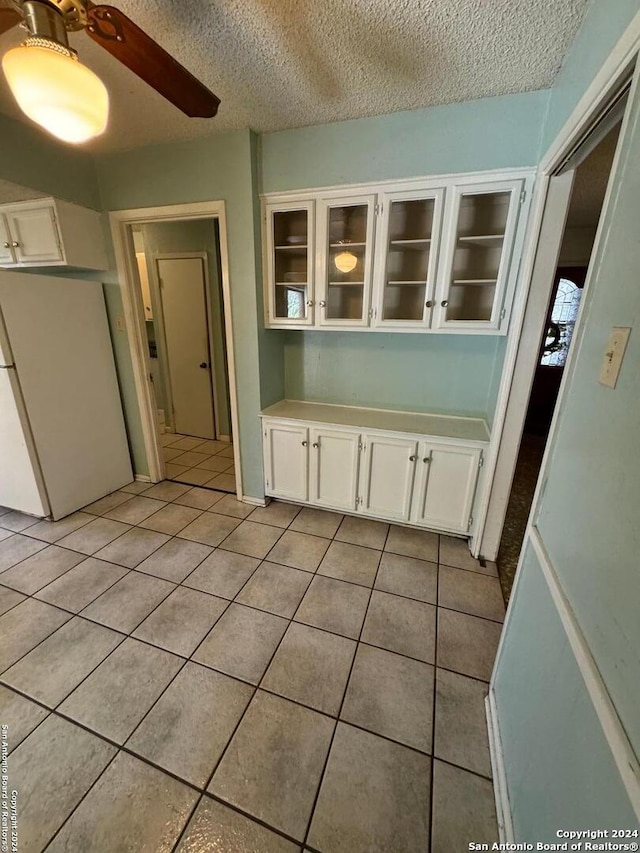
199, 461
180, 671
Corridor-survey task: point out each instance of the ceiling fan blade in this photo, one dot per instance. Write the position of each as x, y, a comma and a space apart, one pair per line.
134, 48
9, 17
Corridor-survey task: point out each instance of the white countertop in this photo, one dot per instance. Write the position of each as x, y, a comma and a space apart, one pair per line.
416, 423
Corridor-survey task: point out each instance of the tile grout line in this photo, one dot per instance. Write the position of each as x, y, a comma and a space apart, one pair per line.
433, 703
344, 694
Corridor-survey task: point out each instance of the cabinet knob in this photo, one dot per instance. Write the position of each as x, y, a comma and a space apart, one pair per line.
426, 460
310, 302
412, 458
429, 303
7, 245
322, 303
304, 443
444, 303
315, 444
15, 244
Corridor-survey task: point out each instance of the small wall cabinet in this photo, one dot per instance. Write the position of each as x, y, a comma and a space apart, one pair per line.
412, 479
47, 232
433, 255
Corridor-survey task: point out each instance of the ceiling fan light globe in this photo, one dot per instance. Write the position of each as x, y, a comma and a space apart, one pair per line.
346, 261
57, 92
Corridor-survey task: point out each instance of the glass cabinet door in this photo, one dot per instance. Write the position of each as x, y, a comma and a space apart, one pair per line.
290, 234
407, 258
346, 236
479, 251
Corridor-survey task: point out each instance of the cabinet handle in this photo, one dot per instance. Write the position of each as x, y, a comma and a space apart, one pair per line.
15, 244
444, 303
429, 303
322, 303
304, 443
426, 460
412, 458
310, 302
315, 444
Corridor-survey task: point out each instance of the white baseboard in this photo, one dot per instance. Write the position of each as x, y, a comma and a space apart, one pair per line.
143, 478
224, 438
503, 810
247, 499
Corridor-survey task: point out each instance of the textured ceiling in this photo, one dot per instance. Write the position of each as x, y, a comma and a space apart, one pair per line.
279, 64
10, 192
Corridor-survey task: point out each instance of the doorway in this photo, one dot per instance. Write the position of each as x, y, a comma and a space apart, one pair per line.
174, 272
586, 202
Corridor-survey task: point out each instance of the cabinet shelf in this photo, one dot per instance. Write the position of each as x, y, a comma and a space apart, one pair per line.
489, 240
291, 283
346, 284
420, 245
347, 245
401, 283
461, 282
292, 247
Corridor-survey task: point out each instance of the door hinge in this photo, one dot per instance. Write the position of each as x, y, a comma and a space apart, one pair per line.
267, 482
358, 500
470, 522
377, 209
523, 195
503, 313
481, 460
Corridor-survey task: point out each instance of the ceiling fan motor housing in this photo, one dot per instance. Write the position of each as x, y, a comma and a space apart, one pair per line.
72, 12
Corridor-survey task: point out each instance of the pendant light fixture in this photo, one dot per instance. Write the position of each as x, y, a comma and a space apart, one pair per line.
346, 261
50, 85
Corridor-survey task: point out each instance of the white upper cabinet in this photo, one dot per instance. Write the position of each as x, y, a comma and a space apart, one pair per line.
431, 255
290, 264
344, 260
6, 252
406, 259
476, 267
49, 232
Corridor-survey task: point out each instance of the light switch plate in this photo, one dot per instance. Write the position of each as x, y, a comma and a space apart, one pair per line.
120, 326
613, 356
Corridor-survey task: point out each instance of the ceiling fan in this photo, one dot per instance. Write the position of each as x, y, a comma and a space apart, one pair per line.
65, 97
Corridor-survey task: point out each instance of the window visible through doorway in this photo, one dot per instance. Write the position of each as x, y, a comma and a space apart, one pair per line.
562, 323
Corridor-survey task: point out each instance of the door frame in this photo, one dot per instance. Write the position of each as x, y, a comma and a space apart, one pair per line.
157, 292
126, 266
535, 291
614, 70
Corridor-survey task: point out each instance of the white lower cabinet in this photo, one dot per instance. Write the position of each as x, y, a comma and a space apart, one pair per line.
286, 461
411, 479
445, 486
334, 463
388, 467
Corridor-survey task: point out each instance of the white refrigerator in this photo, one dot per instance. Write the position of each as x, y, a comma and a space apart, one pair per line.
62, 436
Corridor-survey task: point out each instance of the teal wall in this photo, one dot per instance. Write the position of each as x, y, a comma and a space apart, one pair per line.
601, 28
422, 373
490, 133
560, 771
29, 157
199, 236
558, 766
214, 168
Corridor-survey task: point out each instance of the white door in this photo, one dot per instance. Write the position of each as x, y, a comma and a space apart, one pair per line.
286, 461
445, 487
334, 468
184, 306
386, 478
34, 235
6, 252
